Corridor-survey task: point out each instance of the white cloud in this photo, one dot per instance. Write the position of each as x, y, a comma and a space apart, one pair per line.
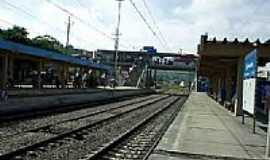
181, 22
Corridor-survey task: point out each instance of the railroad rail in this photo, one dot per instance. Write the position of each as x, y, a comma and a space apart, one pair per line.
57, 110
139, 141
48, 121
58, 135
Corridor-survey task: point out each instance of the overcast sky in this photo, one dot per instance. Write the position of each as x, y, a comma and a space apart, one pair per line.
181, 21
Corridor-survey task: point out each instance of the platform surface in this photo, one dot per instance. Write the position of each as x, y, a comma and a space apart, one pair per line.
206, 130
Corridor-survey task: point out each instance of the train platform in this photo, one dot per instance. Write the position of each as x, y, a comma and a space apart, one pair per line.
32, 101
206, 130
30, 92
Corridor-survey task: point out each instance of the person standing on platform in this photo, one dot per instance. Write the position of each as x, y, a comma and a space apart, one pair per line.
4, 94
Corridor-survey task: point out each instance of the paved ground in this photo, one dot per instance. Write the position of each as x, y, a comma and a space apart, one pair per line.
205, 130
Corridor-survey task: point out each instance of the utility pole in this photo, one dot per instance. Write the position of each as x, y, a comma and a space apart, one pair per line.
117, 34
68, 30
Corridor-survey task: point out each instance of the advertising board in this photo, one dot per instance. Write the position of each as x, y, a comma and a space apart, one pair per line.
249, 90
249, 83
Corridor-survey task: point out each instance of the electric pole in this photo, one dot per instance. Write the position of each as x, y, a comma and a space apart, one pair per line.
68, 30
117, 34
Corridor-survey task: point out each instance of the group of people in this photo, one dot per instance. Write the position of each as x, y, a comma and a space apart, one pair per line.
85, 80
77, 80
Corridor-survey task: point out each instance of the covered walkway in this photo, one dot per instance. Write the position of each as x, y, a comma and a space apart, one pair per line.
205, 130
22, 66
222, 67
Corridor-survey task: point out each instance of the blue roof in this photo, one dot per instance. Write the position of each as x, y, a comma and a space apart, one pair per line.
42, 53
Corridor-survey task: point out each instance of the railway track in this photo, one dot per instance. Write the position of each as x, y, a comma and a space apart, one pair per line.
64, 136
19, 126
139, 141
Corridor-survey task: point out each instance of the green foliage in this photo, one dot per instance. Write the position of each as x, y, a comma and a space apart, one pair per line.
46, 42
20, 35
16, 34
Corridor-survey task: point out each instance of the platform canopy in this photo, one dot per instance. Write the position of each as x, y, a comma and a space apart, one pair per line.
217, 55
24, 50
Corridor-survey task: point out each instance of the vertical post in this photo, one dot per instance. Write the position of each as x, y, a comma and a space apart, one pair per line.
150, 78
218, 87
40, 66
267, 152
256, 82
155, 78
196, 77
243, 118
64, 78
238, 108
68, 31
147, 77
11, 68
254, 123
117, 34
5, 71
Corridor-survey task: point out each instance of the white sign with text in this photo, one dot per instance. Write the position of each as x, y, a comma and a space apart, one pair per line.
249, 90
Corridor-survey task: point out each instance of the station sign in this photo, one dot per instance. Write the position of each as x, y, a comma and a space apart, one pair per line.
251, 65
249, 83
150, 49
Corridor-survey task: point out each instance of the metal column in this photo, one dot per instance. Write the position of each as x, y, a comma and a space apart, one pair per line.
5, 71
239, 89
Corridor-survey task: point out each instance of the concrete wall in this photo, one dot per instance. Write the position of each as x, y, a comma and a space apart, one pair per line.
16, 93
32, 104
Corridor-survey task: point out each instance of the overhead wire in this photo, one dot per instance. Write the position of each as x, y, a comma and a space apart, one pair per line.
81, 20
30, 15
155, 23
89, 13
78, 18
12, 24
26, 12
146, 22
6, 22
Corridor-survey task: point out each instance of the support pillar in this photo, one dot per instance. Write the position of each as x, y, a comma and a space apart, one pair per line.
64, 76
228, 85
196, 78
147, 78
40, 68
4, 71
219, 86
151, 78
215, 89
11, 68
155, 78
239, 87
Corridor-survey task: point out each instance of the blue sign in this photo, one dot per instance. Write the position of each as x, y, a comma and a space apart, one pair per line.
251, 65
150, 49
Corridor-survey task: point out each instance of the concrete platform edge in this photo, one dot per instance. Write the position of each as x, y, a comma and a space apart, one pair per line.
198, 156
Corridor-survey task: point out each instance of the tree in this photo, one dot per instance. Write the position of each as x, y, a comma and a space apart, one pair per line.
16, 34
20, 35
267, 42
47, 42
50, 43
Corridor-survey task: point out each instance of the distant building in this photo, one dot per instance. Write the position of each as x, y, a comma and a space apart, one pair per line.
84, 54
126, 59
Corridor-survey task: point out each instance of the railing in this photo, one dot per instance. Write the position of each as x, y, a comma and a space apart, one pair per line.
141, 76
